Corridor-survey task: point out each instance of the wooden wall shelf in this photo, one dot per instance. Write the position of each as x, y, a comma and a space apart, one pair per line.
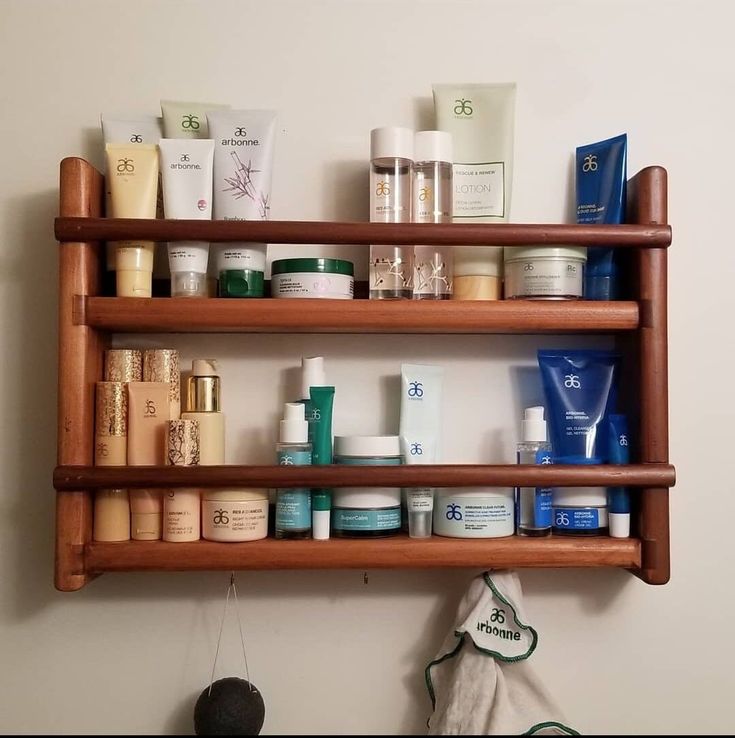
87, 321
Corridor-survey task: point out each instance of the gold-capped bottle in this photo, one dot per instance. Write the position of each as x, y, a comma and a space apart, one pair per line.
203, 403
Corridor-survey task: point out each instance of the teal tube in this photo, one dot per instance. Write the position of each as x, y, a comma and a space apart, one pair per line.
319, 414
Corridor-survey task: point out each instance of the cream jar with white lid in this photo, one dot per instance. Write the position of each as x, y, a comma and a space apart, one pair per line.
234, 515
579, 511
474, 512
544, 272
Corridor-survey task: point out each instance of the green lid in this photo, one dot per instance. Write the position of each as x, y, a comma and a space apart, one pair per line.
241, 283
326, 266
321, 499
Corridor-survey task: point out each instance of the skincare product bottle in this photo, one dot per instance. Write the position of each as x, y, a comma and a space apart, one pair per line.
123, 365
618, 498
391, 178
162, 365
293, 506
182, 507
111, 515
321, 512
533, 504
203, 404
111, 424
432, 203
232, 515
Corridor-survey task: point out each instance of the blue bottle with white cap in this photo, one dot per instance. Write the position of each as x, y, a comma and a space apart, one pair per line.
533, 504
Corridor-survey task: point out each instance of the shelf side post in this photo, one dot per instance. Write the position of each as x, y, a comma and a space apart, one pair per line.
648, 205
80, 357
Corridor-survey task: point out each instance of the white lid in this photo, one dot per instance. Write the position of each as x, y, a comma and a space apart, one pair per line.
312, 374
619, 524
234, 495
367, 446
580, 496
533, 427
476, 493
189, 284
522, 253
474, 261
391, 143
204, 368
320, 524
366, 498
294, 428
433, 146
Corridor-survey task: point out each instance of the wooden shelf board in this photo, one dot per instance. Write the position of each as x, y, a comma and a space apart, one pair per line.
269, 315
76, 230
400, 552
70, 478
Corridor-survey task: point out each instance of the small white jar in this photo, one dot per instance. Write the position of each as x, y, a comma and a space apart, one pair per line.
471, 512
580, 511
545, 272
234, 515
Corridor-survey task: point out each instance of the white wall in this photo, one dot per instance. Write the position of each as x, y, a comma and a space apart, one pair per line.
129, 653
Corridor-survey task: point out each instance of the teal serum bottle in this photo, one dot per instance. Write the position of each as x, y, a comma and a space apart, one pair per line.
293, 506
533, 504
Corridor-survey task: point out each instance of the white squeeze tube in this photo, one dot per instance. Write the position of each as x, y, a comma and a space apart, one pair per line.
420, 427
243, 165
480, 118
144, 129
187, 165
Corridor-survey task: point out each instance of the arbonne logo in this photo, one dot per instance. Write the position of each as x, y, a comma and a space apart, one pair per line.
528, 267
590, 163
454, 512
416, 449
571, 381
190, 123
316, 414
424, 194
220, 517
286, 460
184, 162
136, 138
546, 460
241, 132
463, 107
102, 450
150, 408
185, 157
382, 189
125, 166
416, 389
623, 439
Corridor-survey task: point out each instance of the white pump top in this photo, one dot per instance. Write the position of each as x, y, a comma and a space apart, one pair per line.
312, 374
204, 368
294, 428
533, 428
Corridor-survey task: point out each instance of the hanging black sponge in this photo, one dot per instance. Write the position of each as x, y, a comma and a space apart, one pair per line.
234, 707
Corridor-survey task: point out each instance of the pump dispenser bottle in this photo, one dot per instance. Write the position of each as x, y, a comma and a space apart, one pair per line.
432, 203
533, 504
204, 405
391, 175
293, 506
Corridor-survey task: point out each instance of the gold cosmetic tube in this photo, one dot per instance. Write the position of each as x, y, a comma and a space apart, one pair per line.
111, 515
111, 424
123, 365
148, 412
145, 514
182, 507
162, 365
132, 170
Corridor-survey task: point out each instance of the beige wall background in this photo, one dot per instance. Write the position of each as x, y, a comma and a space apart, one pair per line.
331, 654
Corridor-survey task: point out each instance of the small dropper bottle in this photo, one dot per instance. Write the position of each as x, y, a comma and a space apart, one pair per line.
432, 203
293, 506
533, 504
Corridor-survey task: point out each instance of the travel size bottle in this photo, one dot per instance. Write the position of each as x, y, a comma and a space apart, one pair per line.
293, 506
533, 504
391, 179
432, 203
203, 404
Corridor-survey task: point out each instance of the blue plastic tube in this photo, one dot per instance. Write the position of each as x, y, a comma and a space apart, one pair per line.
600, 177
618, 498
580, 388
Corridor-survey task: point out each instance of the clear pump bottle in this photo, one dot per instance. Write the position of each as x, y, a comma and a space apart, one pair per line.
432, 203
533, 504
293, 506
391, 179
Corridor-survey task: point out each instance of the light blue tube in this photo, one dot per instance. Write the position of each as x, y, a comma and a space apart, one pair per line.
601, 178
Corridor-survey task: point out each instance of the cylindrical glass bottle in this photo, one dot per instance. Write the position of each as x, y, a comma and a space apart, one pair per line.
432, 203
533, 504
391, 175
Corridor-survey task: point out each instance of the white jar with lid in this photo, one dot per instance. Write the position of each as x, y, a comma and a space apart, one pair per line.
472, 512
234, 514
545, 272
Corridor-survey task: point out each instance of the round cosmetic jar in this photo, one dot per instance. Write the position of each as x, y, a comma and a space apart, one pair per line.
579, 511
472, 512
366, 512
318, 277
545, 272
234, 515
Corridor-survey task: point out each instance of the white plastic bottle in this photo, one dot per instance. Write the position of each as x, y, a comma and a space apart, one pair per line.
533, 504
203, 403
